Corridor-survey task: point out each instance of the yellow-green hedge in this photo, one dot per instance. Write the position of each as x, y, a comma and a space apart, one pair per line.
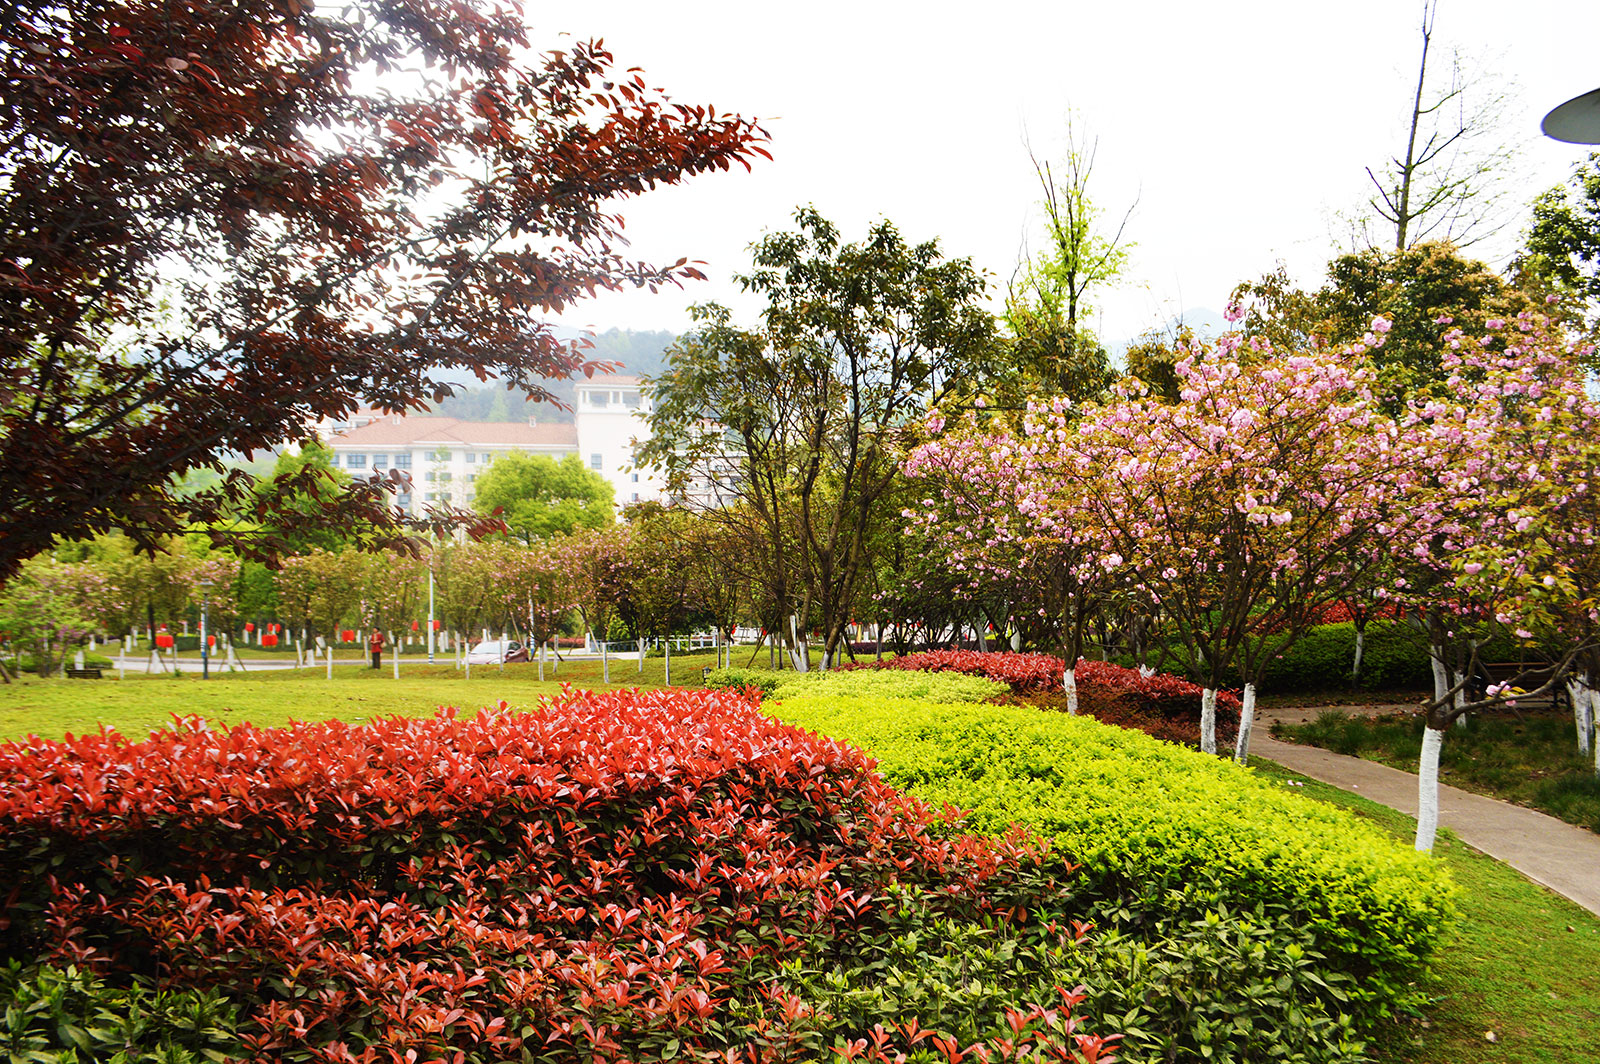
1162, 832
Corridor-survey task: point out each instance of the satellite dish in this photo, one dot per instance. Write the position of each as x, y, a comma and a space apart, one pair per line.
1577, 121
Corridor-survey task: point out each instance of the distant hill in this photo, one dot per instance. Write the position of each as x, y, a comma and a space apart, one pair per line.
639, 352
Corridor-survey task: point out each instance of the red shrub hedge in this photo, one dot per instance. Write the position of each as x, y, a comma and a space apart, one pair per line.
1162, 705
614, 877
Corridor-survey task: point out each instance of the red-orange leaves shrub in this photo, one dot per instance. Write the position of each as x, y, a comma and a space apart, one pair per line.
1163, 705
616, 876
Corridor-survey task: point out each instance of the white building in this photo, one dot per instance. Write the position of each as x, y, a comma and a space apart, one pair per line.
445, 455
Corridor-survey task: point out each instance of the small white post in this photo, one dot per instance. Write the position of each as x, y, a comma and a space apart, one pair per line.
330, 661
541, 662
396, 647
605, 665
666, 662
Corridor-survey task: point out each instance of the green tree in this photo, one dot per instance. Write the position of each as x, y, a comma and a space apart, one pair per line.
1562, 251
1048, 304
47, 610
815, 411
1414, 288
537, 496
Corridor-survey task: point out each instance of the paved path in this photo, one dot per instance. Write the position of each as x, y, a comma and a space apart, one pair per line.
1548, 851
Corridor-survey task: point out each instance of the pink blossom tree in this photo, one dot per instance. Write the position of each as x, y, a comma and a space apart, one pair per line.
1246, 507
1504, 539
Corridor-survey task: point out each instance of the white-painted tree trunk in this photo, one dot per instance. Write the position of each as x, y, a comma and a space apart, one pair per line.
1069, 684
799, 653
1580, 696
1441, 675
1361, 649
1247, 720
1428, 789
1208, 720
1458, 682
1589, 726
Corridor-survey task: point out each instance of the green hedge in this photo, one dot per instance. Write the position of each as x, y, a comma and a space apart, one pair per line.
932, 687
1395, 658
1167, 837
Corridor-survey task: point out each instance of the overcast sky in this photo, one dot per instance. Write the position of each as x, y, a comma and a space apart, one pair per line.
1242, 128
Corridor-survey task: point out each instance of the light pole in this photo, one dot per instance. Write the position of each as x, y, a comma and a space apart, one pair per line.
205, 656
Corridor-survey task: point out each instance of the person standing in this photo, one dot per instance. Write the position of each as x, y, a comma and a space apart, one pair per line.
375, 647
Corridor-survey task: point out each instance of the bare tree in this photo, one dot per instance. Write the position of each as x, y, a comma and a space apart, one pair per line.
1448, 182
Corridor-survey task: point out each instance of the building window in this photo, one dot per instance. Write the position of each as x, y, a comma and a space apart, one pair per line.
471, 477
432, 495
356, 461
486, 457
594, 461
598, 398
402, 461
403, 501
379, 461
445, 476
636, 478
472, 456
635, 496
441, 455
430, 476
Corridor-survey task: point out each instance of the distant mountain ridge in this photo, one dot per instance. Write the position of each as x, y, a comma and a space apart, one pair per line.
640, 354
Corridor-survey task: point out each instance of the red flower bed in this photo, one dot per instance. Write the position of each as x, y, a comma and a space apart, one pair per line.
615, 877
1164, 706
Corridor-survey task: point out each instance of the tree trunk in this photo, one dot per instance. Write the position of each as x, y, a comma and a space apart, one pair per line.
1582, 709
1458, 681
1208, 719
1428, 788
1247, 720
799, 652
1355, 668
1441, 676
1069, 684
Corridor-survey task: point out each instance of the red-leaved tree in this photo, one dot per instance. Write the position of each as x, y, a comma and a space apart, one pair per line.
224, 219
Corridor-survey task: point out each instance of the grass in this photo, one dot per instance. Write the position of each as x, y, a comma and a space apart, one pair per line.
138, 703
1522, 963
1528, 757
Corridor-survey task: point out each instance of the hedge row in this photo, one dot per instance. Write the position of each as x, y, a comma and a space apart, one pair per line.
1166, 837
641, 875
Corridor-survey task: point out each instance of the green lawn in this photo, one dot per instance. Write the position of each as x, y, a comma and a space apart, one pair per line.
1529, 756
1523, 963
136, 704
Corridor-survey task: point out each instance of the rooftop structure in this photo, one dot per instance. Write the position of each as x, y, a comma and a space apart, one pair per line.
445, 455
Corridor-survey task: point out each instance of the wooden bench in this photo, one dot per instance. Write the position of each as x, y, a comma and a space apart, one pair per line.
83, 674
1529, 677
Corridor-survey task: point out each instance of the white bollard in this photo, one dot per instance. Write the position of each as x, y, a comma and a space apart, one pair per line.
330, 662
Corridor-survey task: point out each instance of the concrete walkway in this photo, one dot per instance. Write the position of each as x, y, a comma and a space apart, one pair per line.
1548, 851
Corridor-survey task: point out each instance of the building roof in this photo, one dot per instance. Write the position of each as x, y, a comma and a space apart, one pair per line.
410, 431
609, 380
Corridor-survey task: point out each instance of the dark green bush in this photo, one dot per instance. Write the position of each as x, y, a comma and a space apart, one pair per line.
66, 1014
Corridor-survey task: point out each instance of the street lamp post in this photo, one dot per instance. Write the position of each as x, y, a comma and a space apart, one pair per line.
205, 655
